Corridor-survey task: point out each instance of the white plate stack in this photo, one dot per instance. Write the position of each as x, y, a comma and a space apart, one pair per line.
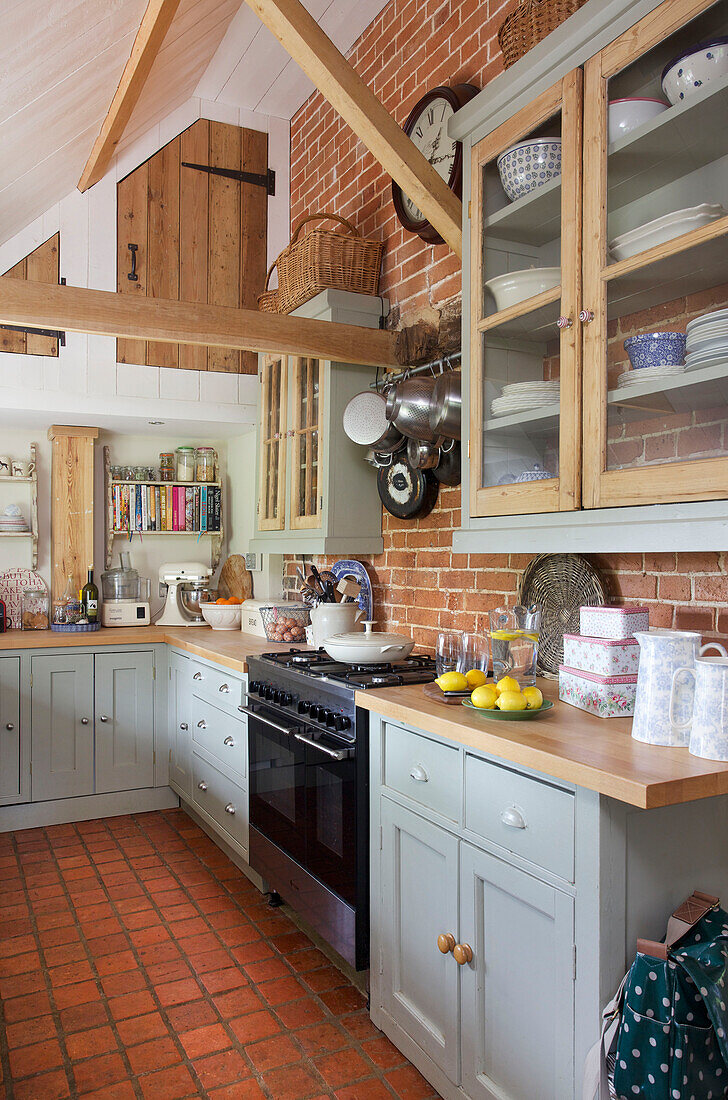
641, 375
525, 396
707, 343
12, 522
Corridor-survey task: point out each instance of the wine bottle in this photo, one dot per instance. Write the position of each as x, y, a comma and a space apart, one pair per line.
90, 598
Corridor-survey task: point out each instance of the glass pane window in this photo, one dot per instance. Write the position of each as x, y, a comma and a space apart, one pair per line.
273, 417
306, 441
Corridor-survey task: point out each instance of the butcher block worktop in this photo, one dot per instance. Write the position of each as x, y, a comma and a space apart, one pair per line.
596, 753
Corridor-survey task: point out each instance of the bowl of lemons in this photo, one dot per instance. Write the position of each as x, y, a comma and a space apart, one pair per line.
507, 701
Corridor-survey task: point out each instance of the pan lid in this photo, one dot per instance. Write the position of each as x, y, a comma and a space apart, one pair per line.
371, 638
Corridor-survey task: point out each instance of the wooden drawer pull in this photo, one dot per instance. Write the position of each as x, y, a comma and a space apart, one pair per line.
446, 942
230, 809
462, 953
419, 774
202, 786
513, 818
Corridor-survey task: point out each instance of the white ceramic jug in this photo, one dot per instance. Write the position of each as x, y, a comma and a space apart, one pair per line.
708, 723
662, 716
334, 618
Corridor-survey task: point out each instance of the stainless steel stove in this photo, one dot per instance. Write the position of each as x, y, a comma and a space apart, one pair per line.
309, 785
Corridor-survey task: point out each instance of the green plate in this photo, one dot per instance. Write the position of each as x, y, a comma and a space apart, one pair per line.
512, 715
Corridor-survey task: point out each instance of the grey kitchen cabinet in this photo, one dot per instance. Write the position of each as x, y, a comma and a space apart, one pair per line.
10, 776
178, 710
62, 725
124, 709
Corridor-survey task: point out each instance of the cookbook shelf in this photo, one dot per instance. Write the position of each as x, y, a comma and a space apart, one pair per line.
32, 534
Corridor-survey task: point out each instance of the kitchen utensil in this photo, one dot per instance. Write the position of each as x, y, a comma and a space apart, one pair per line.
421, 455
656, 349
691, 70
365, 419
559, 584
663, 704
330, 582
328, 619
449, 469
285, 622
405, 492
235, 579
513, 636
368, 648
448, 651
511, 715
708, 721
529, 165
664, 228
222, 616
349, 589
408, 407
446, 405
625, 115
348, 567
517, 286
325, 587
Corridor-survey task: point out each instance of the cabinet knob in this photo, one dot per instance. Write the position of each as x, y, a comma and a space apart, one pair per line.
513, 818
84, 721
103, 718
462, 953
230, 809
224, 688
202, 786
586, 316
419, 774
229, 742
9, 725
446, 942
202, 724
564, 322
183, 726
197, 676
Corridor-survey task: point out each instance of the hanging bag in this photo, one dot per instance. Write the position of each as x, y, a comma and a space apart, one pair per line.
665, 1033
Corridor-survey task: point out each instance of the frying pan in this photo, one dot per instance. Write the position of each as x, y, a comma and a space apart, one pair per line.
405, 492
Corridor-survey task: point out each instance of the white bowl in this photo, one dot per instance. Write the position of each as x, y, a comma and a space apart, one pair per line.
517, 286
222, 616
690, 71
628, 114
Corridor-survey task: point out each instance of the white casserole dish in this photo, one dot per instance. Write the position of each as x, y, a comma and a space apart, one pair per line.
369, 648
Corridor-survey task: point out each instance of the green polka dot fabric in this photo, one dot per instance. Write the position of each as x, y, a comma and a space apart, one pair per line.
673, 1035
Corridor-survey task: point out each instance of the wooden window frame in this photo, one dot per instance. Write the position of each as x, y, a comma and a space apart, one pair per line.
266, 522
308, 521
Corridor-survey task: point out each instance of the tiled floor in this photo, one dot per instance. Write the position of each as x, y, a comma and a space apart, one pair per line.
137, 961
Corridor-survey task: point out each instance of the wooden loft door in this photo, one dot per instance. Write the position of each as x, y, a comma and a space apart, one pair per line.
199, 236
40, 266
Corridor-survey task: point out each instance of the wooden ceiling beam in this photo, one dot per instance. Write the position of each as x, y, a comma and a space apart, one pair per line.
152, 29
103, 313
312, 49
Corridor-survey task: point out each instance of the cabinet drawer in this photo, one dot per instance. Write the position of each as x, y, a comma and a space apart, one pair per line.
221, 798
218, 686
426, 771
225, 737
534, 820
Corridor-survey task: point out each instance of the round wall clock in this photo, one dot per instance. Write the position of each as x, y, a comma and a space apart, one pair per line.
427, 127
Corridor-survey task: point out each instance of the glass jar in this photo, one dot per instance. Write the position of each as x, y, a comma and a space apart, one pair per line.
185, 464
59, 613
116, 473
166, 466
36, 605
140, 473
205, 464
127, 473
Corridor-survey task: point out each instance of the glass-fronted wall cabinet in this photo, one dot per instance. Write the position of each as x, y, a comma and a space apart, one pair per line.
597, 284
317, 494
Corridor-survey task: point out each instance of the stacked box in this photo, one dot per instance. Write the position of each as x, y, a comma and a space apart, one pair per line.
613, 622
599, 673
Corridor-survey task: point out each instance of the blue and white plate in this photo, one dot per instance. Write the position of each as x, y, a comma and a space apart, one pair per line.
354, 569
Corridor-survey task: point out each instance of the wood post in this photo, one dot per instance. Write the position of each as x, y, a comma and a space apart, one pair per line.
72, 505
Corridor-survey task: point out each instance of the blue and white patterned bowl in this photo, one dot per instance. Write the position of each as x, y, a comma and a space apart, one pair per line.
656, 349
529, 165
536, 473
687, 73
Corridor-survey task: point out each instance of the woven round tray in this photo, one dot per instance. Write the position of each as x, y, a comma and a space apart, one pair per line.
560, 584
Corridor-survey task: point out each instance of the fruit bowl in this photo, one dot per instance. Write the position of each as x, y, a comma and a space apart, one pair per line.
222, 616
511, 715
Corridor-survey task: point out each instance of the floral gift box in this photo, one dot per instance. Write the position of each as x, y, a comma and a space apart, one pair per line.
602, 656
613, 622
604, 696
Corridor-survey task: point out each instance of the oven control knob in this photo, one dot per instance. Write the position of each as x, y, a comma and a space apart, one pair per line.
267, 692
341, 722
254, 687
317, 712
325, 716
330, 718
304, 706
278, 697
286, 699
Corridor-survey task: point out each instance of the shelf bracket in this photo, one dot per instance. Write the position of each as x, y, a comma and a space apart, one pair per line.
257, 179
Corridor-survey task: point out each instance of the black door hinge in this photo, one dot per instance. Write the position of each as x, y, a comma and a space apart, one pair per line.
258, 179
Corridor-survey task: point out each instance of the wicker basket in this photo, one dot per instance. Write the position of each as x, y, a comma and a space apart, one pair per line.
322, 259
531, 21
560, 584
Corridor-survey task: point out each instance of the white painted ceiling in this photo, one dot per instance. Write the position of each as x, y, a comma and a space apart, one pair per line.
61, 60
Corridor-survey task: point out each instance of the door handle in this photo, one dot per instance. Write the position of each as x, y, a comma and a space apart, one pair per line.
224, 688
419, 774
462, 953
446, 942
229, 742
202, 786
267, 722
132, 276
513, 818
84, 721
183, 726
103, 718
230, 809
9, 725
334, 754
202, 724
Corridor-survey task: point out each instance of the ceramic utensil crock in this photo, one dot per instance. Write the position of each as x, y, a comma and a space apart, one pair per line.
334, 618
708, 722
661, 715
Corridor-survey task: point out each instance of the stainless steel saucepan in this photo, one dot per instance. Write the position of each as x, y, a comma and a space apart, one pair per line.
446, 406
422, 455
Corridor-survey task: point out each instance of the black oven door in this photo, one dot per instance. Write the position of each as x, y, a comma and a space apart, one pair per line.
277, 781
331, 818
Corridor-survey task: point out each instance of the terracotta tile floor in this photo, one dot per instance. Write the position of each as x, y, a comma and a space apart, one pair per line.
137, 961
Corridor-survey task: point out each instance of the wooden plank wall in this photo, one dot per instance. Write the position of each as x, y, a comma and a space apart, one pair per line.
72, 505
200, 237
42, 265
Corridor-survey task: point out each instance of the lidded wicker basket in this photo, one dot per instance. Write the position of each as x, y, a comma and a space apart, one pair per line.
560, 584
322, 259
531, 21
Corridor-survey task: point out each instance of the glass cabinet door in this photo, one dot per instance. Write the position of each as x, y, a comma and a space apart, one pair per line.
656, 260
274, 398
525, 401
306, 444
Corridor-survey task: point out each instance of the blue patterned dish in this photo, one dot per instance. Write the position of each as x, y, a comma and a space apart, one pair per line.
656, 349
529, 165
536, 473
354, 569
687, 73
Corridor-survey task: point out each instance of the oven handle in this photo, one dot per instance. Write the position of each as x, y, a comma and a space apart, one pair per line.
266, 721
335, 754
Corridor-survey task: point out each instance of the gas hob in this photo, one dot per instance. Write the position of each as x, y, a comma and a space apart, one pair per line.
318, 664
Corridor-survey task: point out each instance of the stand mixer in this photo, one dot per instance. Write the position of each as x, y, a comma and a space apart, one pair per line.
186, 582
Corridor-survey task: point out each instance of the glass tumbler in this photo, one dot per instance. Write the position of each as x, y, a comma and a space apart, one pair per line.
514, 642
448, 652
474, 653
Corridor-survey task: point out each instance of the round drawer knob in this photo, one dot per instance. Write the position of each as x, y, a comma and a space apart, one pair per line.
202, 786
230, 809
9, 726
462, 953
224, 688
202, 724
564, 322
419, 774
586, 316
446, 942
84, 721
103, 718
229, 742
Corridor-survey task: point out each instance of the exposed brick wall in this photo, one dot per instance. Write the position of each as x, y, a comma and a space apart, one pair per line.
419, 584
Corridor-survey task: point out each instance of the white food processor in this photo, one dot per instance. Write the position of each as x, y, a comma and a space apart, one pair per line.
125, 596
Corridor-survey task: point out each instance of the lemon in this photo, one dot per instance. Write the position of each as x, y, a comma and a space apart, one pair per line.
504, 635
533, 697
476, 677
512, 700
484, 696
507, 683
452, 681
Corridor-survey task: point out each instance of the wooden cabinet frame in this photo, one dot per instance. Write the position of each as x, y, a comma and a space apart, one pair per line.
309, 519
272, 506
561, 493
673, 481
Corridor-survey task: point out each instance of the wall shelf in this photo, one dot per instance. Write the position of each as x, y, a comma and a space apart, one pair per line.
32, 480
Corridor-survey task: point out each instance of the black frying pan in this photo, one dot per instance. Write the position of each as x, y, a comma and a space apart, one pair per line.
405, 492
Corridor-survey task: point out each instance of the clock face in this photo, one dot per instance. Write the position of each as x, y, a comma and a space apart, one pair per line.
429, 133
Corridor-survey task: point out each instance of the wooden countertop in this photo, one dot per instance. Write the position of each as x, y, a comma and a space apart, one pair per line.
596, 753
